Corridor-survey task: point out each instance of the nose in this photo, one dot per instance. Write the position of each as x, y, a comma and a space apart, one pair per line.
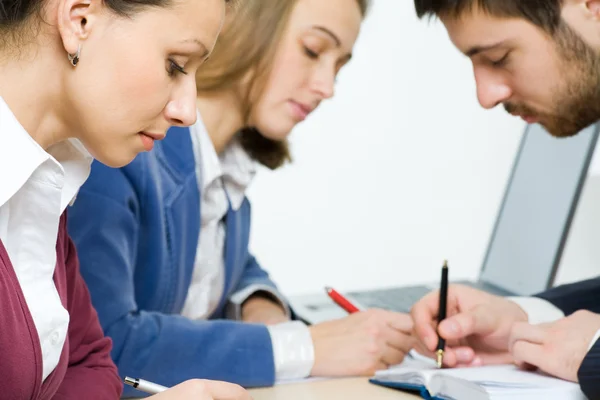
324, 82
181, 109
491, 88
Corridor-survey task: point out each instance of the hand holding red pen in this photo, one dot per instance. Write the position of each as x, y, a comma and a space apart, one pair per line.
361, 343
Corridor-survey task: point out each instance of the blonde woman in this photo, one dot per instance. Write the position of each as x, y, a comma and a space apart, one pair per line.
167, 259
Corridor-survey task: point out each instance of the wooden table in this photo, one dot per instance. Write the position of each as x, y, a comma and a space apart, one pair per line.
347, 389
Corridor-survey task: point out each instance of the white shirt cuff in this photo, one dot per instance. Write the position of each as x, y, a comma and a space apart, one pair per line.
293, 350
234, 307
594, 340
538, 310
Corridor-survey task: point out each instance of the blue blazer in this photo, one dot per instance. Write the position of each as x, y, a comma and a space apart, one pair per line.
583, 295
136, 230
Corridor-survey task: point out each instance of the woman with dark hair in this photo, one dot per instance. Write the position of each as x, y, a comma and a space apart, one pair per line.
80, 79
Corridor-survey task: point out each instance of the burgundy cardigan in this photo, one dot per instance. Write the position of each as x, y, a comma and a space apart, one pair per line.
85, 369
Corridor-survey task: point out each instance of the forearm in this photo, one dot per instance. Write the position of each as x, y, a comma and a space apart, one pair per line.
169, 349
260, 301
264, 310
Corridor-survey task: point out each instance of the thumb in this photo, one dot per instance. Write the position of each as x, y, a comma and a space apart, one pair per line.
479, 320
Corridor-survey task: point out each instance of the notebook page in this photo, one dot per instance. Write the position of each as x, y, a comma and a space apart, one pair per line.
412, 370
413, 361
504, 376
409, 364
507, 381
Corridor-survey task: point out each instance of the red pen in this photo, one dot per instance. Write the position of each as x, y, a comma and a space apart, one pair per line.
341, 300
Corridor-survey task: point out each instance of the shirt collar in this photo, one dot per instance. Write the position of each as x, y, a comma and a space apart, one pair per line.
233, 166
76, 162
20, 156
239, 170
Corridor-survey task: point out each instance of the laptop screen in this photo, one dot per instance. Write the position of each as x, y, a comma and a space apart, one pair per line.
537, 209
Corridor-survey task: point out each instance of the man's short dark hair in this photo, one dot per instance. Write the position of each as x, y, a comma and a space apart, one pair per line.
543, 13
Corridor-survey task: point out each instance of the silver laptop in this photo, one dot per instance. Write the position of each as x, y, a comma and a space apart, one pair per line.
529, 235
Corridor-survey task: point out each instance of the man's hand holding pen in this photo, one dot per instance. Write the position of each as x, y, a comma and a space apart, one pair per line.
476, 330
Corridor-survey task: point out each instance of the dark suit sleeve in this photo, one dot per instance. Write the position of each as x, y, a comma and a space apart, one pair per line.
589, 373
584, 295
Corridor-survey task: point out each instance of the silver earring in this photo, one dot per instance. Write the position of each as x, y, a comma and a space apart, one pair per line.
74, 58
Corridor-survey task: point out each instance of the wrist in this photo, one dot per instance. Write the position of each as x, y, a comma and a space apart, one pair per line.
262, 310
317, 332
519, 313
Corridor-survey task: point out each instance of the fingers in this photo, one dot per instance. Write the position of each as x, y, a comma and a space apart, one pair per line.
424, 313
398, 332
400, 322
527, 332
421, 349
226, 391
393, 356
200, 389
525, 353
476, 321
397, 340
462, 355
380, 365
526, 344
459, 356
391, 332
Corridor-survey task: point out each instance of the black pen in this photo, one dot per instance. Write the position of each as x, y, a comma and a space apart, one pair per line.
442, 313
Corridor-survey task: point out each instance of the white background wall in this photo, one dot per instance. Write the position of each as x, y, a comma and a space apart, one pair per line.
399, 171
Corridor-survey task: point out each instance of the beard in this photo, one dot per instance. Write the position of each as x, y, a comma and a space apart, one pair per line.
576, 98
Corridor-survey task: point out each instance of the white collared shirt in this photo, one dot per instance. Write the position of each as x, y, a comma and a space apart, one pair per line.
36, 188
223, 179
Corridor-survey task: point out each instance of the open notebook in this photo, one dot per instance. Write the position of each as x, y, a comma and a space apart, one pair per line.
490, 382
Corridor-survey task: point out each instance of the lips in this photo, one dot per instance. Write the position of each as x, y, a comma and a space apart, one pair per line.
530, 119
301, 111
148, 139
305, 108
154, 136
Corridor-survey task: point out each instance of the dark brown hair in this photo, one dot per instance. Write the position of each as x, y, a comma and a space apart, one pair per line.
543, 13
18, 17
248, 44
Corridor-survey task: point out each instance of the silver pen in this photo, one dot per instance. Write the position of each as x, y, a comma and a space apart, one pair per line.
144, 386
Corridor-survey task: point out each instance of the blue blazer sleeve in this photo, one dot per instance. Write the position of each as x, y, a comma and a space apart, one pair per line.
254, 275
166, 348
584, 295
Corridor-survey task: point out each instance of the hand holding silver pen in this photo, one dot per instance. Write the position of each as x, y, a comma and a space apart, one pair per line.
194, 389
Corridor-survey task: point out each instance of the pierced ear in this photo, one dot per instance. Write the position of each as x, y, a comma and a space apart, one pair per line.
75, 19
594, 7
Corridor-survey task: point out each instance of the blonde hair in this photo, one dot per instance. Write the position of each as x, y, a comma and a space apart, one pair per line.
247, 45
